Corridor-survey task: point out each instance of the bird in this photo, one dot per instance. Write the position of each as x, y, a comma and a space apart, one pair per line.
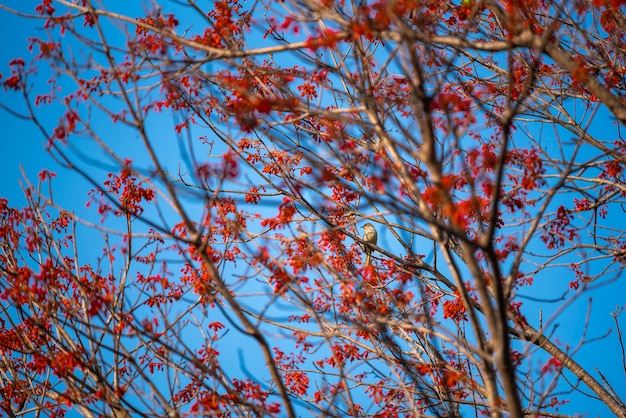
369, 236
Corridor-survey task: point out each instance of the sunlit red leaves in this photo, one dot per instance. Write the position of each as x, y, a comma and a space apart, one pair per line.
612, 169
49, 283
524, 15
449, 378
343, 354
253, 196
302, 255
436, 195
559, 229
14, 82
390, 399
247, 143
190, 392
226, 169
45, 8
46, 49
326, 39
580, 276
307, 90
551, 366
201, 278
297, 382
343, 194
225, 222
278, 276
379, 15
248, 98
515, 310
509, 247
179, 94
128, 191
450, 103
465, 11
469, 212
286, 211
32, 332
387, 398
208, 356
375, 17
608, 3
216, 326
207, 401
581, 73
152, 41
333, 244
290, 21
462, 213
10, 219
229, 17
87, 87
582, 205
280, 279
290, 361
66, 126
529, 179
64, 363
454, 309
159, 289
209, 38
373, 296
252, 392
14, 394
482, 160
453, 109
281, 163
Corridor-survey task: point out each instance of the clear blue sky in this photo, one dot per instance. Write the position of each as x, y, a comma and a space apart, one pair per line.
22, 145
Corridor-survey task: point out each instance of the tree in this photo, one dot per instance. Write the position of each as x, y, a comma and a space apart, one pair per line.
233, 149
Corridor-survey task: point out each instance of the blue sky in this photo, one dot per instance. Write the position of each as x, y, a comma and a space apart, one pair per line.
22, 145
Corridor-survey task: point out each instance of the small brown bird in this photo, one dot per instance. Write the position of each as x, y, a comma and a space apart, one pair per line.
369, 235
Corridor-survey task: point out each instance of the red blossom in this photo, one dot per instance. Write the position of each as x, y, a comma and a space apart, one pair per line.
552, 365
417, 114
454, 309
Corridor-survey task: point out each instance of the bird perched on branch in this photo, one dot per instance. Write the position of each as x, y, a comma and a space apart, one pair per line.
369, 236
